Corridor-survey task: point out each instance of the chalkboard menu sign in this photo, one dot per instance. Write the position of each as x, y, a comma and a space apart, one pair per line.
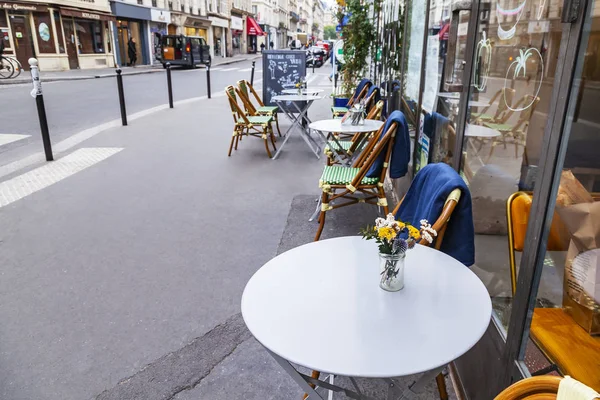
282, 69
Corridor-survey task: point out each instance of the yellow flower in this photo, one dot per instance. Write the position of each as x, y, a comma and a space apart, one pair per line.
386, 232
414, 232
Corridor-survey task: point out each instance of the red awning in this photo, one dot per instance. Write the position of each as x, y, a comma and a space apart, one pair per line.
443, 34
253, 28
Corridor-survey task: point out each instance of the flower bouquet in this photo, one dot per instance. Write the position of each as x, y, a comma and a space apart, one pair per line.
394, 239
301, 85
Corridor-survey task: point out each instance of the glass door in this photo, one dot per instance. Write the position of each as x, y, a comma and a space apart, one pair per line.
563, 324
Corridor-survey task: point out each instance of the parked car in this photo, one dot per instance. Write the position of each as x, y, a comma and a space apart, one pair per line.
315, 55
325, 46
188, 51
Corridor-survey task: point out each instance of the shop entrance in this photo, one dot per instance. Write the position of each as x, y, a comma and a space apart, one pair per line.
22, 39
129, 30
71, 43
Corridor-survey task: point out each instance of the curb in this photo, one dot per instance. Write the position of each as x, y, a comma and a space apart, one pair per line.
112, 75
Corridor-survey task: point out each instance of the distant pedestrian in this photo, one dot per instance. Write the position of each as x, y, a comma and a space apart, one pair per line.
271, 45
132, 50
262, 47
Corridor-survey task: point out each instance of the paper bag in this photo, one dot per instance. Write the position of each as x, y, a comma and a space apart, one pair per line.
581, 296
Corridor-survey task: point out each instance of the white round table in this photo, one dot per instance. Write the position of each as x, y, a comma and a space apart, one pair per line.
297, 97
320, 306
336, 126
481, 131
304, 91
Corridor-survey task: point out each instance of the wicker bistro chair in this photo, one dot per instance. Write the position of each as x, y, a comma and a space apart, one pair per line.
547, 387
440, 226
249, 125
245, 89
504, 96
350, 147
339, 112
338, 182
515, 133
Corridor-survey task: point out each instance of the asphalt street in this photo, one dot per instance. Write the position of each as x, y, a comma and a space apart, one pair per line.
72, 106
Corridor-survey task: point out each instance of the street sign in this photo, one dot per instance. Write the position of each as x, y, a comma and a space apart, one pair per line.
338, 50
338, 28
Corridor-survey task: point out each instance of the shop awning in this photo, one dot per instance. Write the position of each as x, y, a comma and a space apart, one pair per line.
98, 16
253, 27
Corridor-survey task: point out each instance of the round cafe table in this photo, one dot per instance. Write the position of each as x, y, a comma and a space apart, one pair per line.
304, 91
320, 306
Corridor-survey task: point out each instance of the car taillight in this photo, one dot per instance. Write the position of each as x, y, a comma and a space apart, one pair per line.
188, 48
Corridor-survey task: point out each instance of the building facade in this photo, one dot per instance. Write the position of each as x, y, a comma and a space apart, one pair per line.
240, 10
60, 34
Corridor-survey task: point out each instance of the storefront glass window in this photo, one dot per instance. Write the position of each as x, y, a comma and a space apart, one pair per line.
59, 32
509, 99
567, 311
3, 19
43, 30
90, 36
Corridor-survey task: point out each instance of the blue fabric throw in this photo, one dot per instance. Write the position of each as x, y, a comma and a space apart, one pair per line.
361, 85
425, 200
376, 96
400, 151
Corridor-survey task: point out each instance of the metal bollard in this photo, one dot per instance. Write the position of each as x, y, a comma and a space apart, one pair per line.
169, 87
208, 80
314, 62
121, 96
39, 101
252, 73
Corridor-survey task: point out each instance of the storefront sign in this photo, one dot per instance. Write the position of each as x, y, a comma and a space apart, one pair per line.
237, 23
22, 6
538, 27
160, 16
86, 15
221, 22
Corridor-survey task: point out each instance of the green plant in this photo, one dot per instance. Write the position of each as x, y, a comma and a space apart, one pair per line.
359, 36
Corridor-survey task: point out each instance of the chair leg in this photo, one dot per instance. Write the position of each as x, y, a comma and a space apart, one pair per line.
277, 123
316, 375
233, 139
266, 139
324, 202
386, 209
272, 137
441, 384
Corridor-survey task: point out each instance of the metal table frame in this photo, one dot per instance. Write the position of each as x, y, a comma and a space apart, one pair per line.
297, 119
394, 392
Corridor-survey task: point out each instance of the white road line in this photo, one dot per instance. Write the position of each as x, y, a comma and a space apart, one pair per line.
246, 70
229, 69
216, 69
6, 138
30, 182
258, 71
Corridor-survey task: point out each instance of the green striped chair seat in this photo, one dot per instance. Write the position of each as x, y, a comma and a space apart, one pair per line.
484, 117
339, 110
257, 119
500, 127
337, 175
344, 144
267, 110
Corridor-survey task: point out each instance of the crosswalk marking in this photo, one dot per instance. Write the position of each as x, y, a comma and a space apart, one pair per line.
6, 138
30, 182
245, 69
229, 69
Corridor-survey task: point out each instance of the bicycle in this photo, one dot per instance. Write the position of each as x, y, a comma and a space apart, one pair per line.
10, 67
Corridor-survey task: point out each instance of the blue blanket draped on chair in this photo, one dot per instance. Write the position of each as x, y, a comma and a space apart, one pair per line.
361, 85
425, 200
400, 151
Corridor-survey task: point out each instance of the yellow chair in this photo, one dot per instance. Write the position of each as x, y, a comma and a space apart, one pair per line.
505, 97
568, 346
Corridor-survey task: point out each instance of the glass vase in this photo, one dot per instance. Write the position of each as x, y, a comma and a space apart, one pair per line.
391, 268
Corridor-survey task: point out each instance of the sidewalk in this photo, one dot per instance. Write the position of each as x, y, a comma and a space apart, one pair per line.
79, 74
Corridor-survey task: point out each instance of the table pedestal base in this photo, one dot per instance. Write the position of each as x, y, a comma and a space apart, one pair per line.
394, 392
